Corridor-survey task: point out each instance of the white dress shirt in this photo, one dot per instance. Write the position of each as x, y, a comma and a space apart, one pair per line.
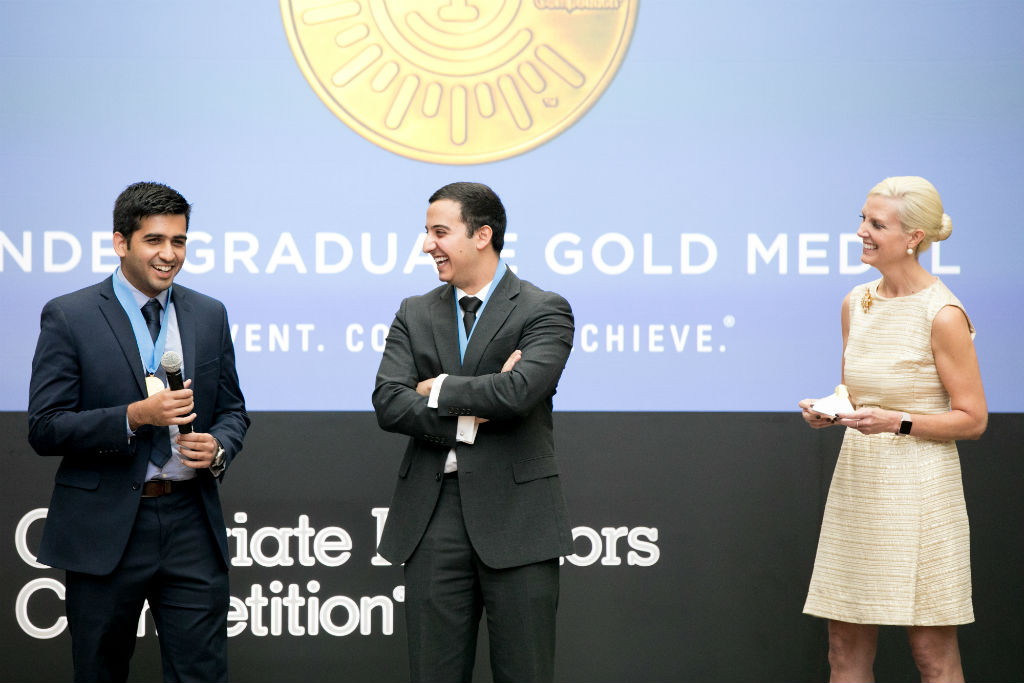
465, 431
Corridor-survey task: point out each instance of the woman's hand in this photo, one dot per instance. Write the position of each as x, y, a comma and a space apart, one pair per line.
871, 420
815, 420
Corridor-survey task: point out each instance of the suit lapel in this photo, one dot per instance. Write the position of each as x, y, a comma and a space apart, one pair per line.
186, 329
122, 328
500, 304
446, 335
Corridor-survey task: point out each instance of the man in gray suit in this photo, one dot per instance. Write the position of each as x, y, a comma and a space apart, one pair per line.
478, 516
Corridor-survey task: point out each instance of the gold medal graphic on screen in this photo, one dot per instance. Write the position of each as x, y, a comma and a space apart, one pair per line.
459, 81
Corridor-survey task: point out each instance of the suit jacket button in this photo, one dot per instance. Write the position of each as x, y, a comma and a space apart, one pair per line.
437, 477
135, 486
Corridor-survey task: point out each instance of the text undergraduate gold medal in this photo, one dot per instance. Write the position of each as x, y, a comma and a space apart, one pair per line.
459, 81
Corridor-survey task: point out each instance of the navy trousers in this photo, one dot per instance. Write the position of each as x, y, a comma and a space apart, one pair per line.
172, 560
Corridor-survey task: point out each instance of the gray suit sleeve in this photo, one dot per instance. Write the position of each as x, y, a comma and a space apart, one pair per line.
545, 342
399, 408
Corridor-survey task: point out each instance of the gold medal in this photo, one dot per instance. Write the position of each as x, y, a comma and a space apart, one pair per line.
154, 384
459, 81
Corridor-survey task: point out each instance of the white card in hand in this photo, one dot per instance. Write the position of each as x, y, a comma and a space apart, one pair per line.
838, 402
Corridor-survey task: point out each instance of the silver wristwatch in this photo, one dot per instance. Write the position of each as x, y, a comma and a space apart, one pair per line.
217, 466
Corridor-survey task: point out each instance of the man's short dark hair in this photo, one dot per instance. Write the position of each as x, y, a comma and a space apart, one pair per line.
480, 206
141, 200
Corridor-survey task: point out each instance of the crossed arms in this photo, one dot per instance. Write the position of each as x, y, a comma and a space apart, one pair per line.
545, 342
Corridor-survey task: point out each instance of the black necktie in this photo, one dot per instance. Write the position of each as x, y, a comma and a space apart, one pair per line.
151, 312
161, 448
469, 305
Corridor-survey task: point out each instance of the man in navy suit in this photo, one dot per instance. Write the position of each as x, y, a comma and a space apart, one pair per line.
478, 517
135, 514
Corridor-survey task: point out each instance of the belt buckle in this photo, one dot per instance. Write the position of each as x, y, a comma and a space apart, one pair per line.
162, 486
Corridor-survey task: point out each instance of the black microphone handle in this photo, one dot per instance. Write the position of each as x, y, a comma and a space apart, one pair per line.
176, 383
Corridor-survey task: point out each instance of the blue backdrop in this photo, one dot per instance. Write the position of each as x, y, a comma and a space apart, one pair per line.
698, 217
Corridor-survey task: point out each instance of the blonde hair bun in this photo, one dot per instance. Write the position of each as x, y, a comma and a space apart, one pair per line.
946, 228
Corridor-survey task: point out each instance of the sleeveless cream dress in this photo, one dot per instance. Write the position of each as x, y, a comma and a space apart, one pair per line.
895, 544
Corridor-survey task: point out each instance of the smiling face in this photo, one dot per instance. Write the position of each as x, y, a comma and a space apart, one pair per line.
464, 261
882, 233
154, 254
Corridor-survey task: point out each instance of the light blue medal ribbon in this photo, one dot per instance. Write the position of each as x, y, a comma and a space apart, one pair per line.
463, 337
149, 351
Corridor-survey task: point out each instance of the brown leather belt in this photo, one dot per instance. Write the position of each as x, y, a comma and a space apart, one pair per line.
164, 487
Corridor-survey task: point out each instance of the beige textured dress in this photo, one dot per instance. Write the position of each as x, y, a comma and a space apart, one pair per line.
895, 544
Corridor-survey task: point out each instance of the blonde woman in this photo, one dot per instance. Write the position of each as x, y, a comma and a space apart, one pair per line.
894, 545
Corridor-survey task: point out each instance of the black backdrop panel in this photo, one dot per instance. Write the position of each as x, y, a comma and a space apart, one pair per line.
695, 534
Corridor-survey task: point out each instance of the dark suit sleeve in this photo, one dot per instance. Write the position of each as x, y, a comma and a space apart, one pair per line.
397, 405
58, 422
230, 420
545, 342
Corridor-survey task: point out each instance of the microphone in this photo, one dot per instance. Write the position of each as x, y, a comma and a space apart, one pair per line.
171, 363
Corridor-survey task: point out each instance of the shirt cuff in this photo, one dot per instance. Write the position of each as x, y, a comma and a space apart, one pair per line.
466, 430
435, 390
128, 426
